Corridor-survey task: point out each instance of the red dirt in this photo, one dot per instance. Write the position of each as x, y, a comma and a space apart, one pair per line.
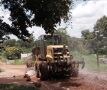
86, 80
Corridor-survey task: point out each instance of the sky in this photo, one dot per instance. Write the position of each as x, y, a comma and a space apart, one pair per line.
84, 16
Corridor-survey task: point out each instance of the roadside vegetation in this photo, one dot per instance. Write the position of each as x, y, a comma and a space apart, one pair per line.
90, 62
96, 43
12, 49
79, 47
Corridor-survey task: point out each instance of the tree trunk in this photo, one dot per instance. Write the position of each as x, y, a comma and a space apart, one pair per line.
97, 60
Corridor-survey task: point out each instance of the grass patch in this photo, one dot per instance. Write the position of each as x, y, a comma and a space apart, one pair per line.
18, 62
90, 62
16, 87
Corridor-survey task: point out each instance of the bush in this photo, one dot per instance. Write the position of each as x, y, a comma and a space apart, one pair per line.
18, 62
13, 53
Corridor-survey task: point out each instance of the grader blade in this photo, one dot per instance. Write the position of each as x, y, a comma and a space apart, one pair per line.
76, 64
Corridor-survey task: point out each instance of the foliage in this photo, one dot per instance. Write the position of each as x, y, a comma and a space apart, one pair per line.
24, 45
96, 40
9, 43
100, 32
101, 26
87, 34
27, 13
89, 41
18, 62
2, 39
90, 62
63, 33
7, 29
74, 44
13, 52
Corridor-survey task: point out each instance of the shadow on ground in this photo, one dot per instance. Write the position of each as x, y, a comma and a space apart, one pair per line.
16, 87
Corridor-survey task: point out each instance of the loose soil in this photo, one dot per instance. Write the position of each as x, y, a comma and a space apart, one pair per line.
86, 80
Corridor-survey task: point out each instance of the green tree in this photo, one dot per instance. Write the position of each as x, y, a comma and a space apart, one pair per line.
89, 41
86, 34
97, 38
74, 44
101, 27
9, 43
27, 13
64, 35
25, 45
100, 34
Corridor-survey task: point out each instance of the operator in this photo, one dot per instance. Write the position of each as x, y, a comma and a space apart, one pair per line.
49, 55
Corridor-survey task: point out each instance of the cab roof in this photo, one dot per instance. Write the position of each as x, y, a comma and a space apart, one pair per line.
56, 46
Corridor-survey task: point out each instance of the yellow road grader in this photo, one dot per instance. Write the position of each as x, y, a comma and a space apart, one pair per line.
53, 59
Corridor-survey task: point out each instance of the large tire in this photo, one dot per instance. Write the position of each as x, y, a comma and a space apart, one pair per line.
74, 72
43, 71
38, 74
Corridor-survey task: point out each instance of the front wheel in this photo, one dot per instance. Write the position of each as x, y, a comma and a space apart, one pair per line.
43, 71
74, 72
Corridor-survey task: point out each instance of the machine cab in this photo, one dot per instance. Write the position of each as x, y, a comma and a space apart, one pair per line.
50, 46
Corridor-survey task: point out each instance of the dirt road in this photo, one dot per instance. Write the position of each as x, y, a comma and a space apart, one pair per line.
12, 70
86, 80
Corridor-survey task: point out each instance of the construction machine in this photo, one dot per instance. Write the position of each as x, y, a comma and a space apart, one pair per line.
53, 59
